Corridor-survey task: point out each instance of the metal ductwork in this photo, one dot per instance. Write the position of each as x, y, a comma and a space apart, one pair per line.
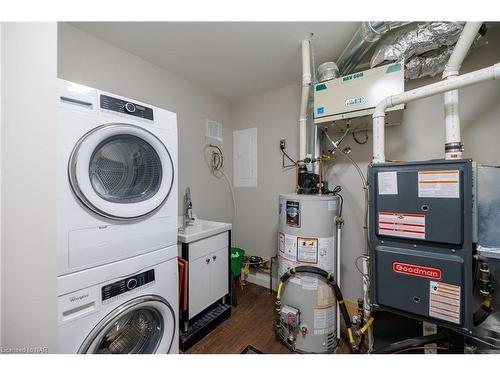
415, 40
365, 37
425, 47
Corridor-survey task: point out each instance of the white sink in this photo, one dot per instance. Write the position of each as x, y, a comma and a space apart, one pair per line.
201, 229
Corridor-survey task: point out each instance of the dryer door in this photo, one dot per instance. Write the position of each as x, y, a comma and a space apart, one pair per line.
121, 171
144, 325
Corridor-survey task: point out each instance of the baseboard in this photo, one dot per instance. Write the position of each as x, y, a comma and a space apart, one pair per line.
261, 279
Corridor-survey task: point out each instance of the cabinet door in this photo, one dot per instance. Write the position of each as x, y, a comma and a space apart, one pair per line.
219, 276
199, 285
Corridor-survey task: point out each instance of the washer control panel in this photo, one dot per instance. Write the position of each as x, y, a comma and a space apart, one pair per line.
128, 108
123, 286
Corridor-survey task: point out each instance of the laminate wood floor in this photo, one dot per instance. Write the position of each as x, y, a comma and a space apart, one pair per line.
251, 323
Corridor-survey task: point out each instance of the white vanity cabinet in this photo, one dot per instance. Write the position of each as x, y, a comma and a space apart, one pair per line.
208, 272
206, 246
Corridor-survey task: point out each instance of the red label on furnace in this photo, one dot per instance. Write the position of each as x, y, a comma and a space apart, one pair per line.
418, 271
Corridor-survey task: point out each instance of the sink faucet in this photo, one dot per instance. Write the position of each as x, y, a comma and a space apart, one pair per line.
188, 208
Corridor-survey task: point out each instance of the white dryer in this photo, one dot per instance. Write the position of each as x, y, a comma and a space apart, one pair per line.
117, 178
129, 306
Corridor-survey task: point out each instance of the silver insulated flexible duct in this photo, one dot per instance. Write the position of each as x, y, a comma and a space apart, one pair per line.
429, 64
365, 37
425, 47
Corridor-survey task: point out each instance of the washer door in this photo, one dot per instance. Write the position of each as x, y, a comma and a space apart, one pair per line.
121, 171
143, 325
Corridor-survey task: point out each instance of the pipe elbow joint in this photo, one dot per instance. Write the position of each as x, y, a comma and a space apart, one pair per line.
381, 108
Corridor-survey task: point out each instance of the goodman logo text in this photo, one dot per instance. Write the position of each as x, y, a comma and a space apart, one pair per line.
419, 271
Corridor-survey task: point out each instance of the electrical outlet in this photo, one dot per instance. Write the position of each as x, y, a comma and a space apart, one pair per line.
282, 144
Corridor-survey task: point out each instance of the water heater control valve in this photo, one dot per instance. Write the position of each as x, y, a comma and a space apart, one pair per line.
290, 315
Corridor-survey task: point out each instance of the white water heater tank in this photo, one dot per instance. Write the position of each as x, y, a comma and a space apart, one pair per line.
307, 236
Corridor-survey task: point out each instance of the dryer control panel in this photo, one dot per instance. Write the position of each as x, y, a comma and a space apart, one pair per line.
125, 285
122, 106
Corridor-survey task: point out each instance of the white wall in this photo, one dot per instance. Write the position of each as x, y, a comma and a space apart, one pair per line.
420, 137
88, 60
28, 88
275, 115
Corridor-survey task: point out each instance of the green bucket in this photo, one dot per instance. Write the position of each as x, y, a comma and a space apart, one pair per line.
237, 255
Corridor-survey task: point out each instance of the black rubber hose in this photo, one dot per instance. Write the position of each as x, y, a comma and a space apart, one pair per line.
481, 314
329, 279
412, 343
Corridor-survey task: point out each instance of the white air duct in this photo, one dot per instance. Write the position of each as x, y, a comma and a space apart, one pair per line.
453, 142
478, 76
306, 87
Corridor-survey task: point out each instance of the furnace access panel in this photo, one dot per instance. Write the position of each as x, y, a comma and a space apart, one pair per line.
421, 240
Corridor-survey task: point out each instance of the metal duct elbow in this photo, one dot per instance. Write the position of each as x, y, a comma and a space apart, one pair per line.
365, 37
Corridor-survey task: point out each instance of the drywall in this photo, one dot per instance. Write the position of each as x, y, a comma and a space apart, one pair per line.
275, 114
28, 156
88, 60
420, 137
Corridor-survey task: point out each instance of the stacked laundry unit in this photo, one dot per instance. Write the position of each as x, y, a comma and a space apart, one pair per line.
117, 224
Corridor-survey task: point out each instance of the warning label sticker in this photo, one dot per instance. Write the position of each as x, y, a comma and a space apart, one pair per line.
444, 301
401, 225
325, 253
307, 250
324, 320
439, 184
284, 266
324, 296
309, 282
288, 246
387, 183
281, 242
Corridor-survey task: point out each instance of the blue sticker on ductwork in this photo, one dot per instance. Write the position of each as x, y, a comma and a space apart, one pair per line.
320, 110
393, 68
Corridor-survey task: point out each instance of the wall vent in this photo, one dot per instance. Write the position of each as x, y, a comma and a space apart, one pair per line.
213, 130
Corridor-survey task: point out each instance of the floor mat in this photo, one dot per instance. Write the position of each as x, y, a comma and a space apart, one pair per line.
251, 350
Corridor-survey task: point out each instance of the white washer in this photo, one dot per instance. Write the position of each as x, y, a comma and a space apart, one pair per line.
117, 178
129, 306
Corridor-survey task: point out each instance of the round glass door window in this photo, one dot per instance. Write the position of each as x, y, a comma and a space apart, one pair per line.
125, 169
138, 331
121, 171
144, 325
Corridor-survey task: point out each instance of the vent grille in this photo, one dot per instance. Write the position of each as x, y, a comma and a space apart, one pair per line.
213, 130
331, 341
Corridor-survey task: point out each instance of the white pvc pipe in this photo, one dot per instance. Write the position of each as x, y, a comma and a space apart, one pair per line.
453, 143
472, 78
306, 86
452, 125
461, 48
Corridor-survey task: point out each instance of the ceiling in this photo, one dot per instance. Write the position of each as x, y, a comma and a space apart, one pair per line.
232, 59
